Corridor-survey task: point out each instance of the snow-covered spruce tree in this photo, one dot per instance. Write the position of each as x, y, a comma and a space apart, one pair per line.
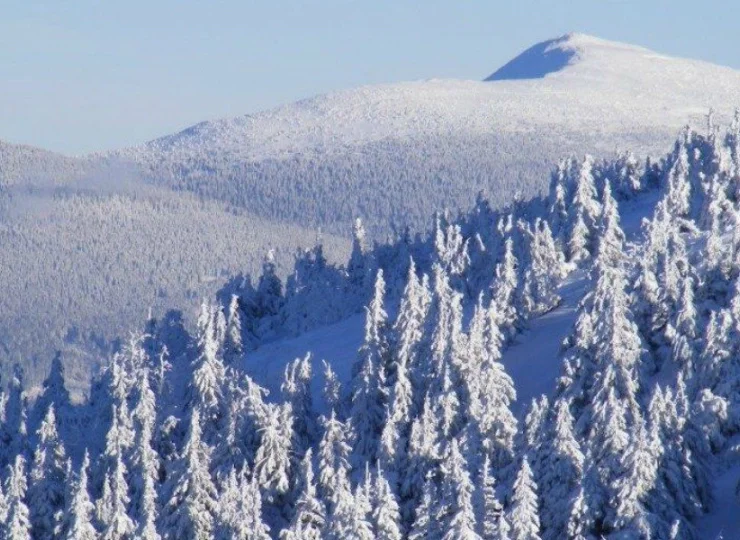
452, 252
145, 462
53, 392
678, 185
455, 509
17, 525
309, 513
407, 334
561, 474
492, 389
583, 213
80, 510
112, 511
205, 391
334, 467
240, 509
611, 240
273, 462
191, 507
14, 428
489, 509
234, 339
545, 271
425, 525
46, 491
684, 330
369, 392
332, 390
349, 517
296, 389
421, 459
359, 267
523, 514
386, 517
504, 289
559, 198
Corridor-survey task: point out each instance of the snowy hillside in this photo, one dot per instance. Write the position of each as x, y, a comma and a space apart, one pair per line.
394, 154
563, 367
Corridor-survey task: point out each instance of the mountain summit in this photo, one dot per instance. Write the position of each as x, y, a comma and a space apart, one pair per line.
553, 55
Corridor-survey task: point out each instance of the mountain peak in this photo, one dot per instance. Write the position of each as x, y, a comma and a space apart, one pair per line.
554, 55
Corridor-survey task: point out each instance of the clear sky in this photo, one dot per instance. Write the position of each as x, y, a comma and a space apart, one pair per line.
85, 75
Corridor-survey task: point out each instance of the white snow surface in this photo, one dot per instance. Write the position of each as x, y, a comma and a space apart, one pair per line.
603, 86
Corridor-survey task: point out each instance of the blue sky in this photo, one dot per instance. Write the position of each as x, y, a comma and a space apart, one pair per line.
86, 75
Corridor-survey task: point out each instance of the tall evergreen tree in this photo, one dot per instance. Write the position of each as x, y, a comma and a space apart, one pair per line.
525, 521
46, 492
191, 508
80, 511
369, 394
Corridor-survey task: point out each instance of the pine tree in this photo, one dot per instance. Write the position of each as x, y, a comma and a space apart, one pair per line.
504, 291
47, 480
561, 473
17, 526
457, 490
272, 464
309, 516
192, 506
525, 521
492, 389
234, 342
81, 509
359, 267
425, 526
490, 510
206, 391
386, 515
332, 387
369, 393
408, 332
240, 509
296, 389
334, 467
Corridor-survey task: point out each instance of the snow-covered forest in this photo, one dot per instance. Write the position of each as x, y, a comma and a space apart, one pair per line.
424, 436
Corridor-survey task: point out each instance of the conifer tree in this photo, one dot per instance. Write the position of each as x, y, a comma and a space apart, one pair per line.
386, 515
334, 467
234, 342
17, 525
296, 389
490, 510
525, 521
457, 490
561, 473
240, 509
191, 508
81, 509
369, 394
47, 480
309, 515
272, 464
113, 514
206, 390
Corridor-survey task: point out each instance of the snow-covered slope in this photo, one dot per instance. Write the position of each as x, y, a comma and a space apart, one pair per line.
374, 151
393, 154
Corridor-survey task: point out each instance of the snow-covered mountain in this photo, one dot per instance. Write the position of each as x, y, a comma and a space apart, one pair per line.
396, 153
564, 367
162, 224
